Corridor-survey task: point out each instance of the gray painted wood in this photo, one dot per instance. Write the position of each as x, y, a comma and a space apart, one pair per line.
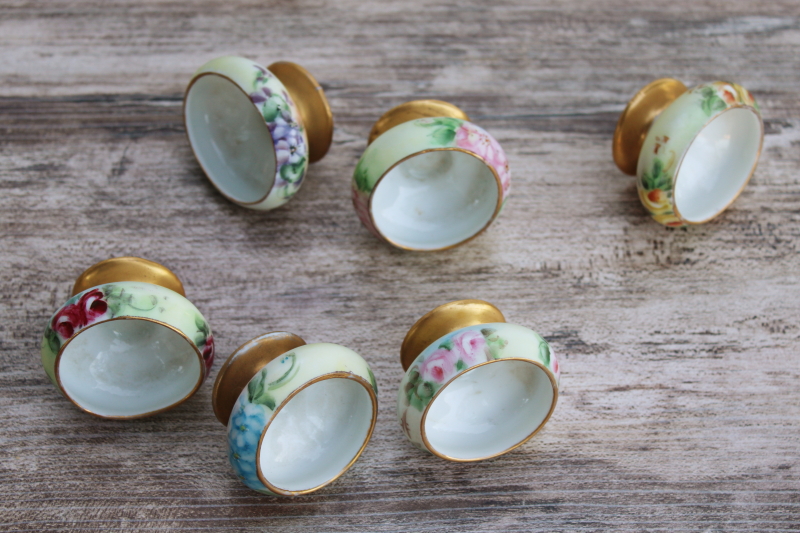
680, 408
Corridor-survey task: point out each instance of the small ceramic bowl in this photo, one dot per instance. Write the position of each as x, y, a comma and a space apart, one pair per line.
693, 150
298, 415
475, 387
254, 129
127, 344
429, 179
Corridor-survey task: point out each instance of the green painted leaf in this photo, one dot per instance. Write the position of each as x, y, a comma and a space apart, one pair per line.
461, 365
53, 342
495, 345
415, 402
361, 178
447, 122
544, 352
288, 375
201, 324
293, 172
447, 345
711, 101
273, 107
372, 380
425, 390
657, 178
487, 332
256, 386
265, 399
443, 135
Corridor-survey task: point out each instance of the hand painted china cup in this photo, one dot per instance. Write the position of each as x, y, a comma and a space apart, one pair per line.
298, 415
429, 179
475, 386
255, 129
692, 150
127, 344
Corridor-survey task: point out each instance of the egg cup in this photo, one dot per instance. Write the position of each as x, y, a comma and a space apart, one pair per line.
475, 386
429, 179
298, 415
127, 344
255, 129
692, 150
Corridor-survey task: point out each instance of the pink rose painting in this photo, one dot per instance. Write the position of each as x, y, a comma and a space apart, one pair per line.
471, 137
439, 366
470, 347
460, 351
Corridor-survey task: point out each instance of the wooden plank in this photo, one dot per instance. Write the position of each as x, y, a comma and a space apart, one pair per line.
681, 349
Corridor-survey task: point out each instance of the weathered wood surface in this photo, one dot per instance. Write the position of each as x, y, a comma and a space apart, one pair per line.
680, 408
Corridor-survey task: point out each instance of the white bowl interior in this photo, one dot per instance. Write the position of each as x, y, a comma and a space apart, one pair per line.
128, 367
717, 164
435, 199
316, 434
230, 138
489, 409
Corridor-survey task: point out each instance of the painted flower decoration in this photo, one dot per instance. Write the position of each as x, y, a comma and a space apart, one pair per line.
208, 353
470, 346
89, 307
67, 321
454, 354
244, 433
655, 191
291, 152
656, 201
204, 341
471, 137
438, 366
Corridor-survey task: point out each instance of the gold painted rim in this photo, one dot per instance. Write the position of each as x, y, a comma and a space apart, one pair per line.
448, 247
635, 120
242, 365
127, 268
323, 377
553, 382
191, 146
444, 319
312, 104
744, 184
56, 366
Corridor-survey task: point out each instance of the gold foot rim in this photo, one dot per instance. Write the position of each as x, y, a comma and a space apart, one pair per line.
635, 120
127, 269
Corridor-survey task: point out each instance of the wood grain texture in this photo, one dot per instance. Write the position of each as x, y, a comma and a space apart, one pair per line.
680, 408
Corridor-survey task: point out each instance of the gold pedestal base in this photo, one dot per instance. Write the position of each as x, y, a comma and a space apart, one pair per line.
635, 120
127, 269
